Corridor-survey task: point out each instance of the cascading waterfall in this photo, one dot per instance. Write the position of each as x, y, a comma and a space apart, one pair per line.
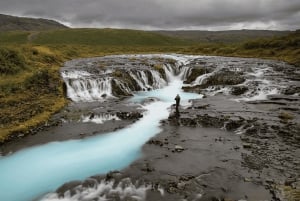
83, 86
169, 71
87, 87
200, 80
158, 81
185, 72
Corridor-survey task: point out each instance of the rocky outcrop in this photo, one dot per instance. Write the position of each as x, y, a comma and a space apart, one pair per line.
194, 73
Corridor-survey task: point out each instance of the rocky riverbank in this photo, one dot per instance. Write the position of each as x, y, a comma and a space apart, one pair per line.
241, 141
218, 149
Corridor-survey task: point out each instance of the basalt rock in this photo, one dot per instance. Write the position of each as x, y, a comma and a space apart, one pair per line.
117, 90
292, 90
195, 72
238, 90
129, 115
225, 78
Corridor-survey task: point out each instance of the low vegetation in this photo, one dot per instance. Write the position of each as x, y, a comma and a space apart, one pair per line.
285, 48
223, 37
30, 86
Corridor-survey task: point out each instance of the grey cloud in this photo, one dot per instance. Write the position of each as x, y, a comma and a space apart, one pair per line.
162, 14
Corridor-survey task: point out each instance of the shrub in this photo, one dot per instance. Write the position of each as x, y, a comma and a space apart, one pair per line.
39, 80
11, 61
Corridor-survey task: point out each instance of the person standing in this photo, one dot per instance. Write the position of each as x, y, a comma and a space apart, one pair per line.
177, 99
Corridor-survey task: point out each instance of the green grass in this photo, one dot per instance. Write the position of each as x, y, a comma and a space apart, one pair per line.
14, 37
285, 48
106, 37
223, 37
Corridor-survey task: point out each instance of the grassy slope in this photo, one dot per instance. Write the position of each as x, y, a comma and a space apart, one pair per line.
106, 37
234, 36
285, 48
29, 95
12, 23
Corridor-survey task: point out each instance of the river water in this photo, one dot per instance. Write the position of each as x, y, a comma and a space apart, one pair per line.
30, 173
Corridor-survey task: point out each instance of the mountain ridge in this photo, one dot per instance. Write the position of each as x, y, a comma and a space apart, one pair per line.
14, 23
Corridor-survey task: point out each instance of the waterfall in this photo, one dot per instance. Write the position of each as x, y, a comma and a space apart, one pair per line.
185, 72
158, 81
89, 83
136, 79
170, 72
88, 89
202, 78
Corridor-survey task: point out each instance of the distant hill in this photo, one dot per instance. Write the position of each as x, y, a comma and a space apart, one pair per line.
12, 23
235, 36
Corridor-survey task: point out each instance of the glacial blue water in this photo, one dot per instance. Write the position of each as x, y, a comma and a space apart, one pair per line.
32, 172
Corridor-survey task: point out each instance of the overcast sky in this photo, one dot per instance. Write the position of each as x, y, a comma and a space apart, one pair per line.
163, 14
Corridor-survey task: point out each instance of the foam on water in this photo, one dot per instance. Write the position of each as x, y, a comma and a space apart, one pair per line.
99, 118
105, 190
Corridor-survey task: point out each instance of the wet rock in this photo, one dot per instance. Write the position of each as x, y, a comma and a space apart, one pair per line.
238, 90
290, 181
156, 142
148, 168
179, 148
129, 115
233, 124
172, 187
247, 146
113, 175
292, 90
224, 77
211, 121
117, 90
195, 72
89, 183
68, 187
92, 115
202, 107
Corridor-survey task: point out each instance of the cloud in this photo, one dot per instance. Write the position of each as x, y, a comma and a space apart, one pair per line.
163, 14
